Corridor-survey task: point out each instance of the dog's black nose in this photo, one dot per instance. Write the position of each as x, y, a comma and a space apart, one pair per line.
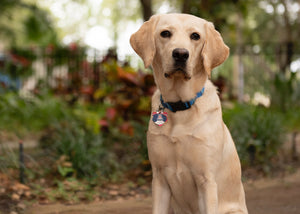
180, 54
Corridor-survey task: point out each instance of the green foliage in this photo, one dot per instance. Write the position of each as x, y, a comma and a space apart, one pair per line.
258, 133
292, 119
17, 63
103, 137
8, 158
124, 124
128, 142
69, 136
38, 28
26, 17
71, 189
285, 92
78, 150
27, 115
64, 171
90, 114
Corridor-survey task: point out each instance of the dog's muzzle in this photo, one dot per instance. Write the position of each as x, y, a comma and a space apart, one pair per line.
180, 57
178, 71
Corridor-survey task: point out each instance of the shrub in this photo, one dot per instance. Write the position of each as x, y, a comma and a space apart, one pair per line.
28, 115
257, 132
8, 158
78, 151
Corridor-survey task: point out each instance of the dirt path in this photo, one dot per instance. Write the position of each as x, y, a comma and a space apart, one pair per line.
267, 196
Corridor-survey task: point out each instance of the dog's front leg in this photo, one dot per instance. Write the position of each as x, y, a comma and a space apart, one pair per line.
208, 195
161, 194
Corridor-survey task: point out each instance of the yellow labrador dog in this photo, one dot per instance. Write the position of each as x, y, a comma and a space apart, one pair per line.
196, 169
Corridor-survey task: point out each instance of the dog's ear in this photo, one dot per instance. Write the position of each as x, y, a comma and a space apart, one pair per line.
143, 41
214, 51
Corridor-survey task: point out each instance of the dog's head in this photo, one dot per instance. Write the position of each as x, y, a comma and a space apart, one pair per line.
179, 45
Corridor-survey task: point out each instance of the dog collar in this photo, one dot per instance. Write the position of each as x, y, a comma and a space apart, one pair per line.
180, 106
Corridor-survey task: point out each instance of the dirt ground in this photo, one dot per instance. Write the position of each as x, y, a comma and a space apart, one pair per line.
265, 196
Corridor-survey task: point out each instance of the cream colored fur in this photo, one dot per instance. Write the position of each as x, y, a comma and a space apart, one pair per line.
196, 169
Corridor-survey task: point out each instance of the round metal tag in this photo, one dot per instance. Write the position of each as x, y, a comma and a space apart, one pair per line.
159, 118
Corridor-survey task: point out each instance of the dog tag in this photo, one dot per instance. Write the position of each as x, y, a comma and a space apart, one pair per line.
159, 118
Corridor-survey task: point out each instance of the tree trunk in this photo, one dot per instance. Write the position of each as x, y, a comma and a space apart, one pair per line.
288, 44
294, 146
186, 6
238, 71
147, 9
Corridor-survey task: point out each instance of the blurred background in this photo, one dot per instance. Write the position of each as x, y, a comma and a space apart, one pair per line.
75, 98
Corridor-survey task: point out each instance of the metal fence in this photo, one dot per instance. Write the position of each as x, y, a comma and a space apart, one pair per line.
78, 70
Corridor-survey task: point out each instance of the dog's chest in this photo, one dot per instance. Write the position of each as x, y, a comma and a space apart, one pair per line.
178, 141
177, 158
181, 153
177, 150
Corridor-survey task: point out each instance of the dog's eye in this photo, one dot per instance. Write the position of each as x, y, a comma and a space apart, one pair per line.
165, 34
195, 36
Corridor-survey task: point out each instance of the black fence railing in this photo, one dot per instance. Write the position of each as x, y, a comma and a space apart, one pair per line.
80, 71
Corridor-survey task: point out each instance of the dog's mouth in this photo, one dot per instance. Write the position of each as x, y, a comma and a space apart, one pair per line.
178, 71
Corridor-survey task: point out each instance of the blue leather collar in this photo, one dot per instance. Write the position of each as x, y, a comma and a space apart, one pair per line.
180, 106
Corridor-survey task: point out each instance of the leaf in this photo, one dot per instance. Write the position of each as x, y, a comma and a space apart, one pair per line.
103, 123
89, 90
99, 93
111, 113
127, 128
128, 76
64, 171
